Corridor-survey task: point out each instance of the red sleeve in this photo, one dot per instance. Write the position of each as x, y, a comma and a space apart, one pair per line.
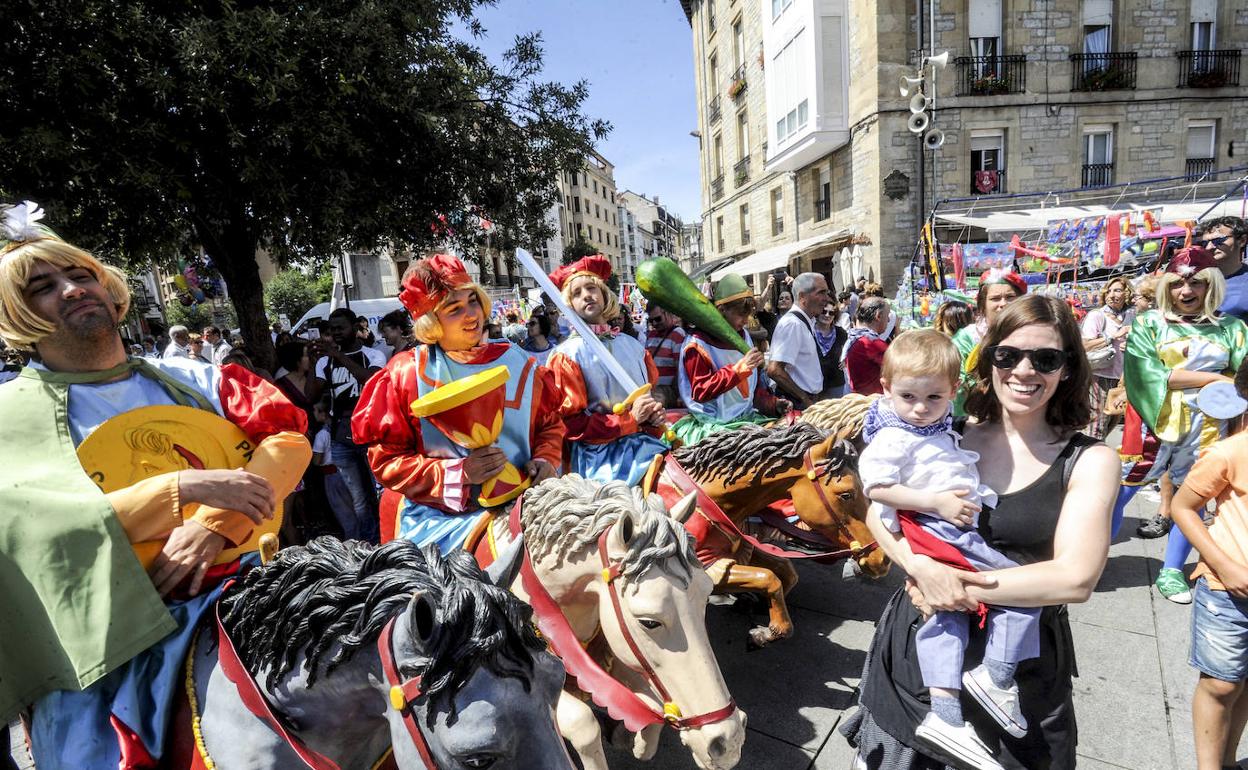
395, 449
705, 381
546, 431
257, 406
652, 370
580, 423
765, 400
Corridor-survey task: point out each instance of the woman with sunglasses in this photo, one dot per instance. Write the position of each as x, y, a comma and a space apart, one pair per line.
1055, 490
997, 288
1172, 352
831, 339
538, 343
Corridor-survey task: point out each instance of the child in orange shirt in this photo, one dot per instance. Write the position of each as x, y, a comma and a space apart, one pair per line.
1220, 607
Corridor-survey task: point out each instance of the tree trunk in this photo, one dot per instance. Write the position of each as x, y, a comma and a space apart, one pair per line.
242, 280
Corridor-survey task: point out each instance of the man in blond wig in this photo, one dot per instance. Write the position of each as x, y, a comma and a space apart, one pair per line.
93, 644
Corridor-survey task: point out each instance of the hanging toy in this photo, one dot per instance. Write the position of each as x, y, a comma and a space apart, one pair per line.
925, 305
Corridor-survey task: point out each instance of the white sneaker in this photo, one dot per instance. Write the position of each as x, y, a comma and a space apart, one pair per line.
1001, 705
956, 746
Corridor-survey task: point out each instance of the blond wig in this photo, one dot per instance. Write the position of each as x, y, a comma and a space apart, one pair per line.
610, 303
1214, 294
428, 329
20, 326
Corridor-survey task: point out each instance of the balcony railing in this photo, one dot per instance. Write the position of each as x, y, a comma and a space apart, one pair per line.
823, 209
1102, 71
712, 110
741, 171
737, 85
1199, 167
1208, 69
1098, 174
991, 75
717, 187
989, 182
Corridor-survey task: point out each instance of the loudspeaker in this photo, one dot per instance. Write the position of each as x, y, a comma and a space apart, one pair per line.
908, 85
940, 61
918, 122
933, 139
919, 102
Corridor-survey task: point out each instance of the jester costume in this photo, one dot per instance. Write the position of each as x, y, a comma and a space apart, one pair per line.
717, 394
87, 639
601, 445
411, 455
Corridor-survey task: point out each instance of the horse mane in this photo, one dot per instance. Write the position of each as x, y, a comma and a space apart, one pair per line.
563, 515
331, 592
732, 454
842, 417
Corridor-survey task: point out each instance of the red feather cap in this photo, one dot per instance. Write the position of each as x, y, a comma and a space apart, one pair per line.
1191, 260
428, 281
596, 265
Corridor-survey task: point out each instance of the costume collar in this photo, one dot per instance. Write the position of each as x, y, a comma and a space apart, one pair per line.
881, 415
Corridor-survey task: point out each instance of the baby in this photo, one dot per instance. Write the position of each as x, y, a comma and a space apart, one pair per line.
928, 489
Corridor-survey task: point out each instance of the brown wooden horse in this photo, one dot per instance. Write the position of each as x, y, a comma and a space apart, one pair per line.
739, 473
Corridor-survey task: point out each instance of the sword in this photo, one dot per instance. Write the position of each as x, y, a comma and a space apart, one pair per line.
614, 368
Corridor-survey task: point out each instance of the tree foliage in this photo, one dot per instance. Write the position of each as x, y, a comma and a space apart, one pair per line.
196, 317
302, 128
291, 293
581, 248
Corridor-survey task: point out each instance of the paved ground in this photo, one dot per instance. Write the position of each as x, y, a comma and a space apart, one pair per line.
1133, 698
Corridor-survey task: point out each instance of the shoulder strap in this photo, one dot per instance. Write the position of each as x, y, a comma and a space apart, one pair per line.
1074, 448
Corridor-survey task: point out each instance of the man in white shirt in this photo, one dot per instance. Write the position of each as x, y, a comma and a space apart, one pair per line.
794, 364
179, 342
216, 348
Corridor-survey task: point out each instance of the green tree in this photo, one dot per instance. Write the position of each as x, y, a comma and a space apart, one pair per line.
581, 248
301, 128
292, 293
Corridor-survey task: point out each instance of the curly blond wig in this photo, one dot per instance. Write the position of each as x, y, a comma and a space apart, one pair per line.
428, 329
610, 303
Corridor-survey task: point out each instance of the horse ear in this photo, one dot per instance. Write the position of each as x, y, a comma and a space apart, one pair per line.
502, 573
421, 619
684, 508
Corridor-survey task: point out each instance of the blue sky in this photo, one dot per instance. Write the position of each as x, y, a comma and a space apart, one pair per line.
637, 56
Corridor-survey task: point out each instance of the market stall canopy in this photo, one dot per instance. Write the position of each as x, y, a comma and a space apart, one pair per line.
777, 256
1035, 219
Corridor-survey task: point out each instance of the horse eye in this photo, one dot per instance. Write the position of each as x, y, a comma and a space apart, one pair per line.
846, 495
650, 624
480, 761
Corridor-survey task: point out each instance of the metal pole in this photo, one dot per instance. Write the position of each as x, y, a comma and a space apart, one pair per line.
921, 208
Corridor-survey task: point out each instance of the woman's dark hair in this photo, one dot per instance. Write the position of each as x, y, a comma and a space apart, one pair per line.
1069, 408
289, 355
543, 324
953, 315
397, 319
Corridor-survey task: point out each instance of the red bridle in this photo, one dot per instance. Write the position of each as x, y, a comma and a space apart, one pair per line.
671, 712
403, 694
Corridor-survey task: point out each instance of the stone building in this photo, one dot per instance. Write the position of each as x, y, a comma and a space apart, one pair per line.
638, 243
590, 208
805, 148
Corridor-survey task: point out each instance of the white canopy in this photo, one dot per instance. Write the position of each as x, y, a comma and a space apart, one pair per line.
1023, 220
777, 256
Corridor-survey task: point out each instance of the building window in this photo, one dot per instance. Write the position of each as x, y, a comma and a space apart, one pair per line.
823, 193
744, 214
987, 162
789, 87
778, 7
777, 211
1098, 156
719, 230
710, 17
585, 178
600, 235
1202, 153
717, 157
595, 185
738, 44
597, 212
575, 178
576, 205
743, 135
984, 31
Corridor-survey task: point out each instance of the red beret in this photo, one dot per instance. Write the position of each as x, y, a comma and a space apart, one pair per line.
428, 281
1191, 260
596, 265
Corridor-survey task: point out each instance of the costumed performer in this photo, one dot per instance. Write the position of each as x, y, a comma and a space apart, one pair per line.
997, 288
1172, 352
603, 446
721, 386
439, 479
93, 644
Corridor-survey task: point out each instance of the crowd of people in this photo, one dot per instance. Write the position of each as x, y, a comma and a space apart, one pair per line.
984, 456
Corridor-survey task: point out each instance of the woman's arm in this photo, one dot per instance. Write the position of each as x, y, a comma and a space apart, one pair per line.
938, 586
1184, 378
1080, 544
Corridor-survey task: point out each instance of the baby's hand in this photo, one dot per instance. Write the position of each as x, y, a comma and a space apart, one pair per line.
954, 508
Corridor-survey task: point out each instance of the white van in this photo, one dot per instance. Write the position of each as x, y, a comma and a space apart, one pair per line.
372, 309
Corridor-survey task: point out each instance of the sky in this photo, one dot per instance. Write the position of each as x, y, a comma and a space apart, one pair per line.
637, 57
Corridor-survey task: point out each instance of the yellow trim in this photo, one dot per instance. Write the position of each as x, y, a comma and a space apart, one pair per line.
490, 540
734, 297
671, 711
200, 746
456, 394
506, 497
627, 403
384, 756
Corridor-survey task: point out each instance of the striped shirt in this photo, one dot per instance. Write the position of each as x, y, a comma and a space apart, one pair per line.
665, 351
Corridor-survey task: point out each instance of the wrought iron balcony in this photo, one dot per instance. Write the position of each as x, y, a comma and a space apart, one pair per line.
717, 187
741, 171
989, 182
738, 83
1199, 167
823, 209
991, 75
1098, 174
1208, 69
712, 110
1102, 71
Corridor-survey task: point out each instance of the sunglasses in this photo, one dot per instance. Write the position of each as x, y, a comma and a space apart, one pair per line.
1213, 243
1043, 360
